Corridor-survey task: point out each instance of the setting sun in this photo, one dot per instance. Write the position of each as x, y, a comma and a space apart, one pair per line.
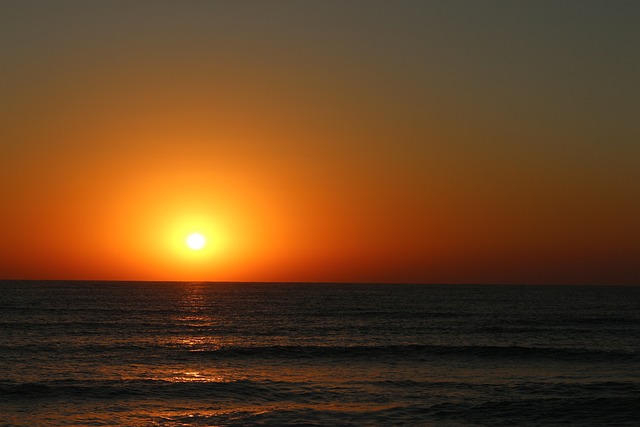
196, 241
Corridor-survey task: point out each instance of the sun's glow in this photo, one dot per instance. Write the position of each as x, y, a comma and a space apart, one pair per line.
196, 241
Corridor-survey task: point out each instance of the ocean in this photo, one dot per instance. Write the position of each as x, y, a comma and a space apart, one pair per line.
243, 354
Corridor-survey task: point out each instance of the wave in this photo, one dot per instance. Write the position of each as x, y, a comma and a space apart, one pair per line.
119, 389
523, 389
584, 412
593, 411
559, 411
302, 403
422, 351
299, 390
394, 352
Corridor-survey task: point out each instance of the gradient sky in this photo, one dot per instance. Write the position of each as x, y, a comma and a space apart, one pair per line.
386, 141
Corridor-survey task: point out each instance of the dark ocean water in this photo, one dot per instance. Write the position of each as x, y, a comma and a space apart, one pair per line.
183, 354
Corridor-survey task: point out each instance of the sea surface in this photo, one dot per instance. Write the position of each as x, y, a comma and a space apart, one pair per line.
243, 354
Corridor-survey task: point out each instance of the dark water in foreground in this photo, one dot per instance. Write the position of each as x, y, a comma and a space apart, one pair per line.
182, 354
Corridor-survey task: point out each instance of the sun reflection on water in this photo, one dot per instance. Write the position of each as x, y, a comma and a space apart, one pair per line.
197, 376
195, 321
195, 344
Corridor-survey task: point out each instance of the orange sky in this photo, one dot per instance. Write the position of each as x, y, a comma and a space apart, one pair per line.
404, 143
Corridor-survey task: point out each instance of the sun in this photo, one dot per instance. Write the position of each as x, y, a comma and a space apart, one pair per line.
196, 241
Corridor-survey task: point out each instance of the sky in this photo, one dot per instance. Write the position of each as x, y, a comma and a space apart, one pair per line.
361, 141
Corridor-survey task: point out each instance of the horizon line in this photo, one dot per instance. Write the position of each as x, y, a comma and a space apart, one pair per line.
290, 282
